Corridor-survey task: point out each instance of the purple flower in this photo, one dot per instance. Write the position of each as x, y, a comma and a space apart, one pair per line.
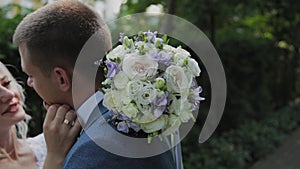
122, 116
132, 125
112, 68
151, 36
196, 95
163, 57
160, 104
122, 126
158, 111
112, 113
161, 100
126, 123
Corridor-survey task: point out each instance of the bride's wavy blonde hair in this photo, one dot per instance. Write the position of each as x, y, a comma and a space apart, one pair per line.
21, 128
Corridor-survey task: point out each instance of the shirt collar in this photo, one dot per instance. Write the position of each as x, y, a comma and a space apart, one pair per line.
85, 110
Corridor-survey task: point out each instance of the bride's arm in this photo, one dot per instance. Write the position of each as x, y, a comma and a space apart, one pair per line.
61, 129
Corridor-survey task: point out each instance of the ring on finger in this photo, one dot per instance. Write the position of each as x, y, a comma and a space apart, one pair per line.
67, 122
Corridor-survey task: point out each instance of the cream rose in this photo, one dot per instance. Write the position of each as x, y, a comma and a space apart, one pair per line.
130, 110
115, 99
120, 80
118, 52
181, 52
173, 124
147, 46
168, 48
176, 79
139, 66
156, 125
194, 67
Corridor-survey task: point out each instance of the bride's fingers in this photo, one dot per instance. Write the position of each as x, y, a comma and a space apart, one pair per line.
76, 127
51, 113
61, 113
70, 117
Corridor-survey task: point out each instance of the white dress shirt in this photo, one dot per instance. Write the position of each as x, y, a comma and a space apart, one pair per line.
85, 110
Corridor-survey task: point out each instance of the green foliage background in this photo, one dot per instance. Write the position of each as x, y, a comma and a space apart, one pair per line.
259, 45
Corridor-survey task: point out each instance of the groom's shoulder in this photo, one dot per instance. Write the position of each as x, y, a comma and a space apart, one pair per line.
87, 154
84, 154
85, 144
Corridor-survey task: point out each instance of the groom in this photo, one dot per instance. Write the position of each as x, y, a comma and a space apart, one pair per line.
50, 41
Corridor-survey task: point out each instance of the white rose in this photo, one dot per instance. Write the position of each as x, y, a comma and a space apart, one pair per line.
122, 94
147, 94
173, 124
177, 79
181, 107
130, 110
156, 125
108, 101
139, 66
185, 111
168, 48
120, 80
133, 88
174, 107
118, 52
115, 99
194, 67
181, 52
147, 46
146, 115
180, 60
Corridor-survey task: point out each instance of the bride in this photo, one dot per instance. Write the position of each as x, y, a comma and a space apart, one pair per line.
18, 152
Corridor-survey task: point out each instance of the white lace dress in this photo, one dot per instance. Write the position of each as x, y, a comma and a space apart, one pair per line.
38, 145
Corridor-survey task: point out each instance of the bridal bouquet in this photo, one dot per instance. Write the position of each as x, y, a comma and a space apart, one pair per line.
150, 86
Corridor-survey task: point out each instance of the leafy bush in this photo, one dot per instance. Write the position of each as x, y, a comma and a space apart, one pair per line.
239, 148
249, 63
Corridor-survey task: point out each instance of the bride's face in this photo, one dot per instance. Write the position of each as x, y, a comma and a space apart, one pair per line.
11, 109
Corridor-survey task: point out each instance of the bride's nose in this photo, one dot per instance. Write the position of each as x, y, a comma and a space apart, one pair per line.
5, 94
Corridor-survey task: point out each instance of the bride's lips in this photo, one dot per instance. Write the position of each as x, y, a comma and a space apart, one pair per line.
12, 108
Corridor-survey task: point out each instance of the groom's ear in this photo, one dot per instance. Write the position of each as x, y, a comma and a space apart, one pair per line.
62, 78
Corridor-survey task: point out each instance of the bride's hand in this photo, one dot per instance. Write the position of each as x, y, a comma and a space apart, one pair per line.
61, 129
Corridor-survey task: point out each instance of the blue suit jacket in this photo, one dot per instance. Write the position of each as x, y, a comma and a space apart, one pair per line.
86, 154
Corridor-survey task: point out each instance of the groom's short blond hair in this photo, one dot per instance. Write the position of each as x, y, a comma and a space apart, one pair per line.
55, 34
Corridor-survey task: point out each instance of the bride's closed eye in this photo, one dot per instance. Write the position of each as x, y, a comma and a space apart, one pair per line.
6, 83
